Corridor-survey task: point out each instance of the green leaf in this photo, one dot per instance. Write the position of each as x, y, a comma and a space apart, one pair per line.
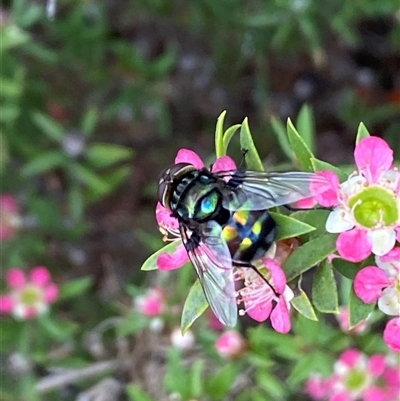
288, 227
196, 379
306, 126
362, 132
50, 127
346, 268
195, 305
57, 329
219, 133
219, 384
253, 160
281, 133
299, 147
151, 262
12, 36
320, 165
303, 305
132, 324
358, 310
309, 255
75, 288
315, 218
135, 393
324, 289
106, 154
43, 163
89, 121
228, 136
92, 180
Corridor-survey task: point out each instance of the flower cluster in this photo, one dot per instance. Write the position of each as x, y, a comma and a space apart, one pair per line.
381, 284
31, 295
367, 205
358, 377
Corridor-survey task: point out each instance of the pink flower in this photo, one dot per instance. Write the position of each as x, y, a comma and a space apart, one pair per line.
230, 344
367, 205
391, 334
267, 297
169, 224
9, 216
317, 387
381, 284
31, 295
344, 322
152, 303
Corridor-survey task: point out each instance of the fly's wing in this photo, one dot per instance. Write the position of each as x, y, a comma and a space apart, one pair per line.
212, 260
253, 190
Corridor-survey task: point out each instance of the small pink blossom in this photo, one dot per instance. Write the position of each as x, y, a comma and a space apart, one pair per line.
10, 219
382, 283
267, 297
152, 303
169, 224
367, 205
230, 344
30, 295
355, 377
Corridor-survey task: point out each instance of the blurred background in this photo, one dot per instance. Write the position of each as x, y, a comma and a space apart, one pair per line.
96, 99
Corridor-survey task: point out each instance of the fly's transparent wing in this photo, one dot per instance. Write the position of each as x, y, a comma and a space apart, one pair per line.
211, 258
253, 190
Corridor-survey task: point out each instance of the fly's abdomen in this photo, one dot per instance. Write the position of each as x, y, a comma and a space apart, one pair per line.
249, 234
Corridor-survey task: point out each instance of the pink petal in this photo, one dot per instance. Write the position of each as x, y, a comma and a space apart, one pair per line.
173, 261
8, 204
326, 194
6, 304
373, 156
376, 365
391, 334
280, 317
16, 278
164, 218
260, 313
30, 312
188, 156
374, 393
369, 283
277, 273
392, 256
350, 357
224, 163
6, 232
51, 293
341, 397
40, 276
307, 203
354, 245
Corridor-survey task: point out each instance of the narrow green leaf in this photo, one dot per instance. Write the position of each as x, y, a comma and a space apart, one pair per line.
43, 163
89, 121
59, 330
50, 127
76, 203
303, 305
324, 289
362, 132
196, 379
195, 305
306, 126
299, 147
315, 218
135, 393
219, 134
281, 133
75, 288
253, 160
92, 180
288, 227
309, 255
151, 262
358, 310
228, 136
221, 382
102, 155
320, 165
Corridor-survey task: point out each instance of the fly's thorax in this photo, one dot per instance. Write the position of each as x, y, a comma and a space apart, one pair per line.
198, 199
